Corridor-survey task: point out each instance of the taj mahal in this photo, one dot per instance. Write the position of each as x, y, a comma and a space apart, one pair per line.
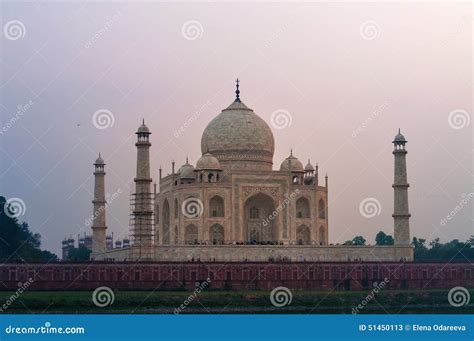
232, 205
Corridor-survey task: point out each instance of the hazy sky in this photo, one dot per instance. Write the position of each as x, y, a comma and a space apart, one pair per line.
346, 75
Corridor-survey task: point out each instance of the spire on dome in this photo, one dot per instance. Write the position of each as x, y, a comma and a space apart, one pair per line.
237, 91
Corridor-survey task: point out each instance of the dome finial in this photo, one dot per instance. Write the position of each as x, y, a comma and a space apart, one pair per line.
187, 159
291, 152
237, 91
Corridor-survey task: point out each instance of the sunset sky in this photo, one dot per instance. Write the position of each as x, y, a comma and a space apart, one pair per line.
346, 76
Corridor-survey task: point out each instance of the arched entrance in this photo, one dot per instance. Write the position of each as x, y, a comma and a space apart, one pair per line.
216, 234
260, 219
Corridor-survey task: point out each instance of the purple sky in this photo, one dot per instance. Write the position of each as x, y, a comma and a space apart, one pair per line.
348, 76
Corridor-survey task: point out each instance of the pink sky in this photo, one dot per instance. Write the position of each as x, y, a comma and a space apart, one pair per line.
348, 74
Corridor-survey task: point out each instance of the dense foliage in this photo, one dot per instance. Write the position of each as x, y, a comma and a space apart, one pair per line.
17, 242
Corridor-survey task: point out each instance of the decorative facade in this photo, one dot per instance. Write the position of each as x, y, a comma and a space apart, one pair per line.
232, 205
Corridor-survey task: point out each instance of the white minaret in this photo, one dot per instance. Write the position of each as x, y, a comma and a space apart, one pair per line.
99, 226
143, 206
401, 215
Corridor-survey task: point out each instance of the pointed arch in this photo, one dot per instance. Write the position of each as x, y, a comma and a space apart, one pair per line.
166, 229
322, 235
216, 206
216, 234
176, 208
303, 235
191, 234
322, 209
303, 208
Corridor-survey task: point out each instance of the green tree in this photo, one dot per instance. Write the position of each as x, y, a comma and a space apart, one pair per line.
17, 242
383, 239
358, 240
79, 254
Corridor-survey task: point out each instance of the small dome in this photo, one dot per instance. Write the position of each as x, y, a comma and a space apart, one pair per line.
208, 161
292, 164
399, 138
143, 129
309, 167
99, 161
186, 170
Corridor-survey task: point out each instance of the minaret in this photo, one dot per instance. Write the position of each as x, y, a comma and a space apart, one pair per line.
401, 215
98, 215
143, 208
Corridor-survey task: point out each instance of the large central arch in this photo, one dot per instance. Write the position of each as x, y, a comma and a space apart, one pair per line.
260, 220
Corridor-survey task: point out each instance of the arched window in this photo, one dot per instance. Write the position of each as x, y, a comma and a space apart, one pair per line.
210, 177
302, 208
295, 180
322, 209
217, 234
191, 234
216, 207
166, 223
217, 178
322, 235
200, 177
254, 214
157, 214
303, 235
176, 209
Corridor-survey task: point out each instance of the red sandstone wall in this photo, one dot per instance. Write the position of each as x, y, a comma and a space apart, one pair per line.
237, 276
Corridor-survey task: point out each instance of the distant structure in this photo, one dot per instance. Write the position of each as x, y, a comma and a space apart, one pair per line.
99, 226
232, 206
86, 241
401, 215
67, 246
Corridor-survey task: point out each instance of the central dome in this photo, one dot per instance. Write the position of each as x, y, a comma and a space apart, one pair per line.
239, 139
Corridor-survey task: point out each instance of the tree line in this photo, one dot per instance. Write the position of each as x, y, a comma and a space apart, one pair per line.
423, 251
